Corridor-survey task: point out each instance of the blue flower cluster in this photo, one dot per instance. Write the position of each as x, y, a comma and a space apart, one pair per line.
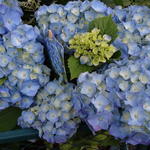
65, 21
10, 15
134, 29
53, 115
22, 61
95, 104
117, 99
131, 83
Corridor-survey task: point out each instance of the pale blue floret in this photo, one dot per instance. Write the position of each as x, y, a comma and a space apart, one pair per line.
42, 10
12, 19
69, 29
88, 89
98, 6
54, 18
72, 18
71, 4
90, 15
4, 92
56, 28
29, 88
125, 73
66, 106
25, 102
23, 74
3, 104
75, 11
65, 36
121, 14
83, 77
97, 78
133, 49
85, 6
5, 59
28, 117
52, 116
16, 97
100, 102
123, 85
61, 11
53, 8
137, 87
33, 47
130, 26
138, 17
84, 59
13, 80
131, 99
51, 87
137, 116
146, 105
144, 30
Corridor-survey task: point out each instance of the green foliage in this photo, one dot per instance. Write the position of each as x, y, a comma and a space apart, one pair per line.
8, 118
106, 26
30, 5
76, 68
141, 2
85, 140
2, 80
118, 2
116, 55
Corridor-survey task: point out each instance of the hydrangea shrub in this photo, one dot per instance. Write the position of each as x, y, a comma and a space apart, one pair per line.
115, 99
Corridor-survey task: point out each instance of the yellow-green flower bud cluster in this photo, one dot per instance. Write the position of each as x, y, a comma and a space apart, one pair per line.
92, 47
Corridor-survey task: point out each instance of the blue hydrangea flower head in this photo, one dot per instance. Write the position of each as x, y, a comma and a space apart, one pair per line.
93, 102
10, 15
21, 67
54, 112
56, 17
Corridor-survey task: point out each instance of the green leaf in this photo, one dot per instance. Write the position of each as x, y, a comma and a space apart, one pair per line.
116, 55
118, 2
127, 3
106, 25
2, 80
8, 118
76, 68
100, 137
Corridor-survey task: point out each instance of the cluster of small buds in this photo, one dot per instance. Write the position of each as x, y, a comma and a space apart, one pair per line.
10, 15
66, 21
53, 115
94, 104
92, 48
22, 61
